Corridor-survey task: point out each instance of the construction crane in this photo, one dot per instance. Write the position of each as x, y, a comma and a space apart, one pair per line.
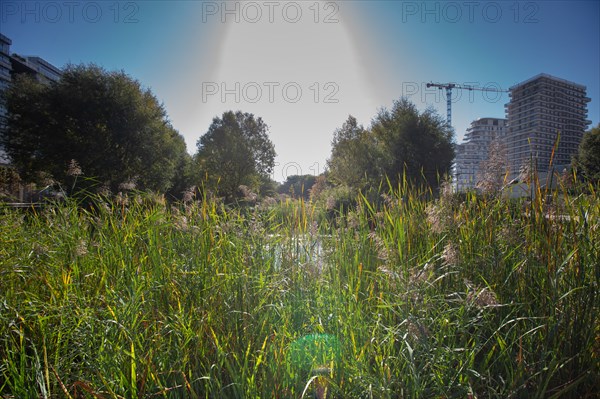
450, 86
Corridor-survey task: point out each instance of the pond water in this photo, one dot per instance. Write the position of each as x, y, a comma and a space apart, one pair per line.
304, 250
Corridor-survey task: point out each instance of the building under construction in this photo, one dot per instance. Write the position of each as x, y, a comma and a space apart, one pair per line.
547, 117
475, 150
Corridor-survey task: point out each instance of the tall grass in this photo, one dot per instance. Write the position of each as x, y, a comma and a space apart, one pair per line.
449, 298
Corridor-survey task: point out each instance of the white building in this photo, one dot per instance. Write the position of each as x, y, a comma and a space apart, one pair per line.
475, 149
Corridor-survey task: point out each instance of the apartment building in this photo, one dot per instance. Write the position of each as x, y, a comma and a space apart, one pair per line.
37, 67
475, 149
5, 79
14, 64
544, 111
5, 65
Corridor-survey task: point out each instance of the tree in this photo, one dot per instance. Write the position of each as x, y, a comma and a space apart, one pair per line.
354, 158
418, 146
116, 130
587, 160
401, 143
235, 151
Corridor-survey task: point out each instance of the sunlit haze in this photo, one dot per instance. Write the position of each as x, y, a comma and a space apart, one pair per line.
305, 66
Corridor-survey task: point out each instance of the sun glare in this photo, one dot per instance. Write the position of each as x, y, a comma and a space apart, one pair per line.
289, 64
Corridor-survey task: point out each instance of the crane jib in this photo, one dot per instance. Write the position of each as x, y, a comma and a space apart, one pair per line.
450, 86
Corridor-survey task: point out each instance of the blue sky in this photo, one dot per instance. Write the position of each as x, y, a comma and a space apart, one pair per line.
305, 66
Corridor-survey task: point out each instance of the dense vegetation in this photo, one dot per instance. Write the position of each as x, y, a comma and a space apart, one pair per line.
351, 284
108, 127
399, 297
587, 159
116, 131
235, 151
401, 143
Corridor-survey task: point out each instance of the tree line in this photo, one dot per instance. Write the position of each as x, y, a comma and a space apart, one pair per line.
116, 133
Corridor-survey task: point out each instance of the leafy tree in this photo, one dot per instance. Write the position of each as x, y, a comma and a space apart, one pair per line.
587, 160
116, 130
400, 143
354, 158
235, 151
416, 145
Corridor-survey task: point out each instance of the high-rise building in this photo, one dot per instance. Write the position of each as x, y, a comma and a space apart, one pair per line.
5, 79
475, 149
543, 111
11, 65
5, 65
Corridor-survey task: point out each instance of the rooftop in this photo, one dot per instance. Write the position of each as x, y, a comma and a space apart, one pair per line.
545, 75
5, 39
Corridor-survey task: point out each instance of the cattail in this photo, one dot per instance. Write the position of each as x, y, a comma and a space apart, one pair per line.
482, 298
248, 194
450, 255
188, 195
492, 172
128, 185
352, 220
81, 248
388, 200
440, 216
382, 251
74, 169
104, 190
330, 204
181, 223
420, 275
416, 329
122, 199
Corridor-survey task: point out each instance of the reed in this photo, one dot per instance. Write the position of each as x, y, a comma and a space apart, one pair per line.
453, 297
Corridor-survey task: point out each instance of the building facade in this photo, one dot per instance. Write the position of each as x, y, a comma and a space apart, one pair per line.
5, 79
475, 149
5, 65
37, 67
544, 111
14, 64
